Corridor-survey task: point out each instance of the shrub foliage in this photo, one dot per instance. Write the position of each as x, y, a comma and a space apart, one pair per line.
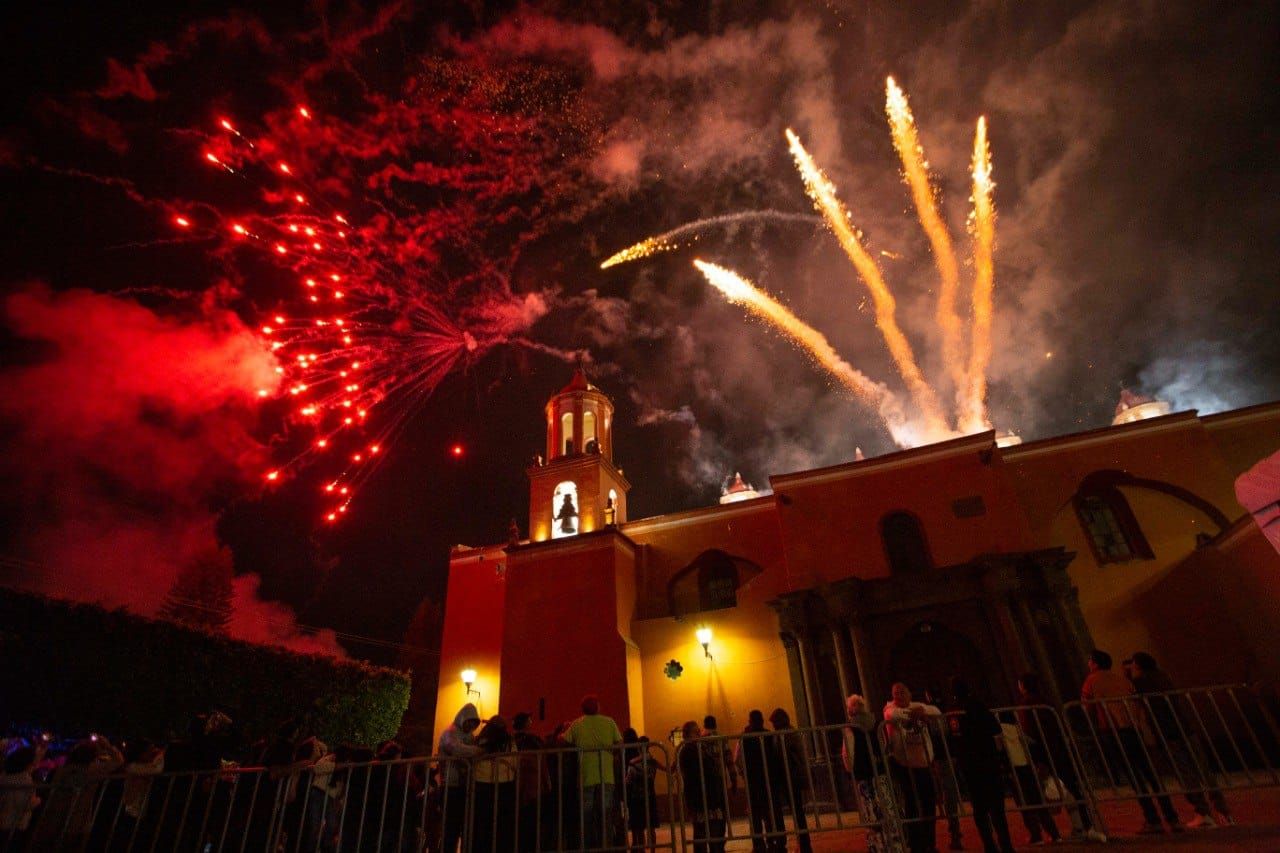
78, 668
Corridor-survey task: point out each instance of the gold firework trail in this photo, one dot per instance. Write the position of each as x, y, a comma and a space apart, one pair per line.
684, 235
915, 169
740, 291
823, 193
973, 413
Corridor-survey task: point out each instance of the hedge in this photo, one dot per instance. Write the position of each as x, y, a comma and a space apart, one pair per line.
77, 668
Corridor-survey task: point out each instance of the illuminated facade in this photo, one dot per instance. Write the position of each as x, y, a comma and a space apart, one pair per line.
964, 557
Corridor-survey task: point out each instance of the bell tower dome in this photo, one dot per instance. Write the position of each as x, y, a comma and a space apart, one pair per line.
577, 488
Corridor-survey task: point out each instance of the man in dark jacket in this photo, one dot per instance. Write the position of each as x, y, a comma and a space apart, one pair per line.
1176, 733
757, 755
981, 760
792, 775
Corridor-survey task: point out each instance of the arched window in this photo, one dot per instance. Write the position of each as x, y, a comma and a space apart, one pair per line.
1110, 526
567, 445
904, 543
565, 520
710, 582
589, 432
717, 584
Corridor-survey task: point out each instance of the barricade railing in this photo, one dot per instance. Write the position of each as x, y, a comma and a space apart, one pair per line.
774, 786
1021, 761
1194, 743
765, 787
509, 802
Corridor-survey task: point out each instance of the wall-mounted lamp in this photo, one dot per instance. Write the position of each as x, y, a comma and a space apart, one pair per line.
468, 679
704, 637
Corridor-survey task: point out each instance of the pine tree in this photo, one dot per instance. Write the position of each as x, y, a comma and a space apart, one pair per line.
201, 595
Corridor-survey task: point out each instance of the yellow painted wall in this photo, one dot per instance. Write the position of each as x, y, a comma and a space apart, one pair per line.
1157, 605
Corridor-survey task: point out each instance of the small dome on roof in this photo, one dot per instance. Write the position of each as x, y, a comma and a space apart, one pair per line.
1137, 407
738, 490
1130, 400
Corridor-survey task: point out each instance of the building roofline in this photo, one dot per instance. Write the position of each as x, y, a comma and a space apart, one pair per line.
1248, 413
939, 450
700, 514
1176, 420
591, 539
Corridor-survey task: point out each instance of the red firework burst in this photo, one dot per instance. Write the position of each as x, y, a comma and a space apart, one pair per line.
396, 233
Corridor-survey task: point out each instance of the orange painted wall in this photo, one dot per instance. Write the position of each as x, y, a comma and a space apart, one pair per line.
472, 635
1245, 436
832, 529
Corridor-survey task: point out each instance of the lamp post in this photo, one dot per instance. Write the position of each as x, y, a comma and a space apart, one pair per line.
704, 638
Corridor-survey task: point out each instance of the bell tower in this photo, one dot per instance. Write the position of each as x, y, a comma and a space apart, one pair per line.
576, 488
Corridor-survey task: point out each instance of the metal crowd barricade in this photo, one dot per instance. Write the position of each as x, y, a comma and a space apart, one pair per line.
511, 802
765, 788
1031, 770
1195, 743
772, 787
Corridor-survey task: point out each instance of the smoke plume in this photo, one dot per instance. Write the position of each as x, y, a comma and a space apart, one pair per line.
128, 430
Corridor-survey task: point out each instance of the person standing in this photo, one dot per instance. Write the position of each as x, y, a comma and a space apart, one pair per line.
1050, 752
533, 783
910, 762
977, 752
704, 792
710, 729
493, 810
18, 798
945, 776
1117, 716
792, 776
757, 756
596, 736
861, 755
457, 744
1179, 738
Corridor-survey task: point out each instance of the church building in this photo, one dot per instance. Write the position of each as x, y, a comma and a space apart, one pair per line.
977, 557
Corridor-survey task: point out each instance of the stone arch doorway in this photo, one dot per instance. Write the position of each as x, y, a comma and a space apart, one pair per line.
930, 653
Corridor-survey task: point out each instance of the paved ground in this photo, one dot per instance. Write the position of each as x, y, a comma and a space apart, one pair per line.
1258, 829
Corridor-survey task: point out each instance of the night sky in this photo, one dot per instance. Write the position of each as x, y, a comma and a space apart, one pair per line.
503, 152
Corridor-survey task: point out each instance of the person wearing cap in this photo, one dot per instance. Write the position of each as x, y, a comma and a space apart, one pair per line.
1178, 734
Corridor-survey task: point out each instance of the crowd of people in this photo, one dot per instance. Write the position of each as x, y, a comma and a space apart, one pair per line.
495, 785
957, 745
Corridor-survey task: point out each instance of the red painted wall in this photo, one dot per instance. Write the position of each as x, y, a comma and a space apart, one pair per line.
562, 638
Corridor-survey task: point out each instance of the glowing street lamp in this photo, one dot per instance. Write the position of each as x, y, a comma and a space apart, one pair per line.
704, 637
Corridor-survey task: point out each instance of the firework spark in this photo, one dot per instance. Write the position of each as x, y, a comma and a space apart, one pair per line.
687, 234
915, 169
741, 291
383, 296
973, 415
823, 193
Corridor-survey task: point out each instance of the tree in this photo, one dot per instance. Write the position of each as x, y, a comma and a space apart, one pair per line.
201, 595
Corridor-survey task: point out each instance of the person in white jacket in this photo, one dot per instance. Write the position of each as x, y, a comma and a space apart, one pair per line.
910, 747
458, 743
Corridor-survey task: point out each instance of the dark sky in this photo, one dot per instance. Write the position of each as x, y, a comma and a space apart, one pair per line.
1135, 159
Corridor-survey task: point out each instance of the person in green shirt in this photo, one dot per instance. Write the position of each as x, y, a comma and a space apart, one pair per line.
597, 736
